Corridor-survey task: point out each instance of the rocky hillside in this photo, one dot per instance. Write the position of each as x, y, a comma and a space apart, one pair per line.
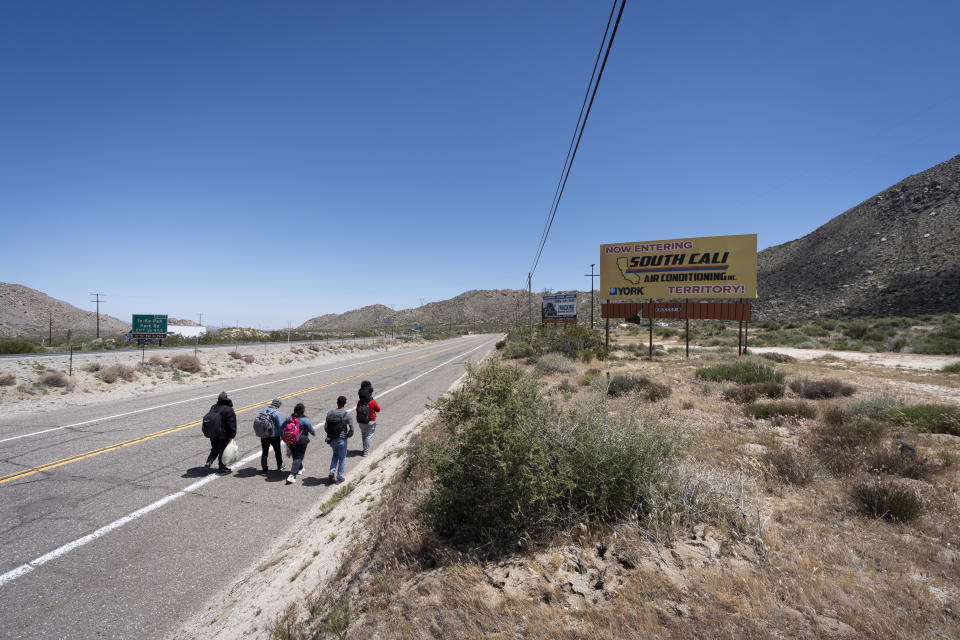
897, 253
26, 312
472, 307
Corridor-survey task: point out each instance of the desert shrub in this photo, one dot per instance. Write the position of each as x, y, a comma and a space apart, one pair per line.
876, 407
18, 346
566, 386
820, 389
313, 347
297, 350
7, 379
746, 371
587, 378
501, 344
516, 350
842, 439
190, 364
157, 361
237, 356
792, 467
945, 340
109, 375
93, 367
646, 388
952, 368
896, 463
571, 340
777, 357
747, 393
513, 465
249, 359
54, 379
935, 418
814, 331
855, 329
119, 371
765, 410
887, 500
587, 356
552, 363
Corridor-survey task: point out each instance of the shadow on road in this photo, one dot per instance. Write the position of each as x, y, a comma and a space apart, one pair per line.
195, 472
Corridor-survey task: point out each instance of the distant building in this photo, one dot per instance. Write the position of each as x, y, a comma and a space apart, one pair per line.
185, 331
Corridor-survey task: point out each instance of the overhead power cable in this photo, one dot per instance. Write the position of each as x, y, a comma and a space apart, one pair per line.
578, 131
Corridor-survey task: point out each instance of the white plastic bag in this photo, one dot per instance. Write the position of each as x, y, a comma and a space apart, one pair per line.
231, 453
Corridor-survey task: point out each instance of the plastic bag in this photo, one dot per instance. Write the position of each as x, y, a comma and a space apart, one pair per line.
231, 453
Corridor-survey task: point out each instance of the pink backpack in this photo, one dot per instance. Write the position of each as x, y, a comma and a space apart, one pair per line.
291, 432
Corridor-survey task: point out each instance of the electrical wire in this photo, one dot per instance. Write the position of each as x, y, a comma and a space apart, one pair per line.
565, 173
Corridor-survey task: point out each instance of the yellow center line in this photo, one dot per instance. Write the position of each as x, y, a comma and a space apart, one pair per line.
126, 443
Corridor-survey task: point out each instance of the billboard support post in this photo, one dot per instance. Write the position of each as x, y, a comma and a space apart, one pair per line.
607, 339
687, 333
650, 320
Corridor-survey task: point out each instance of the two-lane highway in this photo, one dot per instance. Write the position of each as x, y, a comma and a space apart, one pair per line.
109, 526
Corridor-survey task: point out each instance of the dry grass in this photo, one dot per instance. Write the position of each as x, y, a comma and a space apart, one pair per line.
189, 364
821, 389
249, 359
7, 379
92, 367
117, 372
54, 379
746, 558
157, 361
236, 355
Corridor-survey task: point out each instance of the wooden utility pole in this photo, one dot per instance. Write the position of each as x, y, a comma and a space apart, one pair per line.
591, 275
530, 303
98, 301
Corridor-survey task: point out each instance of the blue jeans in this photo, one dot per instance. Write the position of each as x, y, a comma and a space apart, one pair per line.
339, 459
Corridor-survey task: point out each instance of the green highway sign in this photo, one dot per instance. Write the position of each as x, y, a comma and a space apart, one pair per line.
152, 324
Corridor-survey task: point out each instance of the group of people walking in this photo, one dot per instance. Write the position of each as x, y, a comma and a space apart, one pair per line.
220, 426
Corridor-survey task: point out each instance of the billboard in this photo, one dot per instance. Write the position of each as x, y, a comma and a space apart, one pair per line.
559, 308
711, 267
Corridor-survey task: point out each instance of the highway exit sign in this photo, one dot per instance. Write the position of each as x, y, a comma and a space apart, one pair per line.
155, 325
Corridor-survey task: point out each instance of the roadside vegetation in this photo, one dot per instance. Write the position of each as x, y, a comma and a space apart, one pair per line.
617, 497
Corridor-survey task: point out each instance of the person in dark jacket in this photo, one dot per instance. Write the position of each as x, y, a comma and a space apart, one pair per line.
298, 450
339, 427
274, 439
228, 423
367, 428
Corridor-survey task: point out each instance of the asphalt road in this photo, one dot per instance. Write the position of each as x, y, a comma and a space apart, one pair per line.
110, 528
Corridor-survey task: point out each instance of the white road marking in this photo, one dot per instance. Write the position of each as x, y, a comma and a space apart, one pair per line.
171, 404
24, 569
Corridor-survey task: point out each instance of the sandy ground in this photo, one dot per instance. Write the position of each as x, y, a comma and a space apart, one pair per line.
84, 388
903, 360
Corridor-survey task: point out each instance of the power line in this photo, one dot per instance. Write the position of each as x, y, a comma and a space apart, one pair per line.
565, 173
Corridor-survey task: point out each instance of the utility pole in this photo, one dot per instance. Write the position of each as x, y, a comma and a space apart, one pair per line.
197, 345
530, 303
591, 275
50, 335
98, 301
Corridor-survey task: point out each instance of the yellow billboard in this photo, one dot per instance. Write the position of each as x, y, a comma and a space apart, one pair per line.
712, 267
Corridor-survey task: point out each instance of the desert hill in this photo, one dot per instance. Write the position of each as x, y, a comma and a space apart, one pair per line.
897, 253
472, 307
26, 312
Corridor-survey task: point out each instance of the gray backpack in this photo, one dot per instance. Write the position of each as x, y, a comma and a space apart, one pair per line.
263, 424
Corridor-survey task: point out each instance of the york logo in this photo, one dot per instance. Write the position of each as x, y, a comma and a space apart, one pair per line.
626, 291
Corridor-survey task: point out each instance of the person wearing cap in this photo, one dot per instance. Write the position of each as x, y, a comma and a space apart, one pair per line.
228, 423
274, 439
369, 426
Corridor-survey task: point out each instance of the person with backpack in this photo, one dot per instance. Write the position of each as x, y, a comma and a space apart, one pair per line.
339, 427
220, 426
367, 410
296, 431
268, 427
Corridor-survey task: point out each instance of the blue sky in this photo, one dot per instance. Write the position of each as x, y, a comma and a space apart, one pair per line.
268, 162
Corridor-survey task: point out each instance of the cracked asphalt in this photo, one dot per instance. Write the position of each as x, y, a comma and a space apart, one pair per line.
145, 577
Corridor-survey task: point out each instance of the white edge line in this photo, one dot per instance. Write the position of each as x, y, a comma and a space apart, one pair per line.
24, 569
171, 404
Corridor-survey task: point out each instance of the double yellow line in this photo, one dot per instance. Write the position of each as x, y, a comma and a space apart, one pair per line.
126, 443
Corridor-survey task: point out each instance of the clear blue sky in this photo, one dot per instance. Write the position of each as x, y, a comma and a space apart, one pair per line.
271, 161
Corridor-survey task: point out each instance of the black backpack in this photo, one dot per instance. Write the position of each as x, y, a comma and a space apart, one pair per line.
363, 412
212, 424
332, 428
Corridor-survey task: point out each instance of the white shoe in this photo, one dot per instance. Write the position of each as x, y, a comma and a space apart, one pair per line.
301, 470
291, 479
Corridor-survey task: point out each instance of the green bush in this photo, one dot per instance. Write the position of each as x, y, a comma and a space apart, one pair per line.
877, 407
747, 393
646, 388
571, 340
887, 500
952, 368
765, 410
587, 378
777, 357
620, 384
18, 346
842, 439
820, 389
552, 363
814, 331
517, 350
746, 371
935, 418
501, 344
514, 465
945, 340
